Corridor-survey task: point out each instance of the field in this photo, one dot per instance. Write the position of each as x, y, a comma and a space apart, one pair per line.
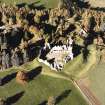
44, 82
77, 67
46, 3
41, 86
96, 77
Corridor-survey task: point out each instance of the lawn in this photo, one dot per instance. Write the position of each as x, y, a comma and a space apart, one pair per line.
96, 77
76, 68
47, 82
46, 3
40, 88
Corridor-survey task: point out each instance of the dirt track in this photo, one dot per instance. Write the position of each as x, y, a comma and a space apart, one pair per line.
90, 97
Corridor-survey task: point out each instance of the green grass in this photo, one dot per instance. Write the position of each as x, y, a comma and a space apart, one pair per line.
49, 82
39, 89
97, 81
96, 78
46, 3
71, 68
76, 68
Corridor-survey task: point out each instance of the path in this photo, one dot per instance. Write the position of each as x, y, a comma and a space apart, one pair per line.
87, 93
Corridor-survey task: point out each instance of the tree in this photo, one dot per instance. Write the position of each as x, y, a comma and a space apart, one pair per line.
70, 5
11, 21
61, 4
4, 19
22, 77
37, 19
2, 101
51, 100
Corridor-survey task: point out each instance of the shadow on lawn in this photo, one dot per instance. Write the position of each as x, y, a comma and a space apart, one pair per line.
98, 9
63, 95
13, 99
20, 5
43, 103
23, 4
8, 78
82, 4
33, 5
59, 98
85, 54
33, 73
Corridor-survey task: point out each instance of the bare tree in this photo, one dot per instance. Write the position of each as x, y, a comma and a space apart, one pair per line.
70, 5
2, 101
51, 100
